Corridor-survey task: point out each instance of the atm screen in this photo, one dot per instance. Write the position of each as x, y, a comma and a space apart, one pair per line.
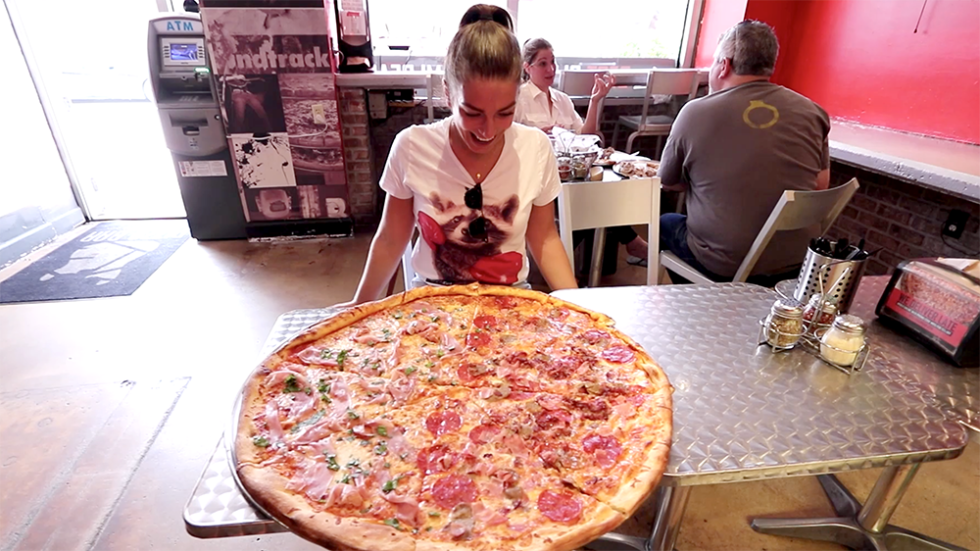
183, 52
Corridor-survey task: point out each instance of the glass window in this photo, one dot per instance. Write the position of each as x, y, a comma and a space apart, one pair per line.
417, 29
620, 28
405, 31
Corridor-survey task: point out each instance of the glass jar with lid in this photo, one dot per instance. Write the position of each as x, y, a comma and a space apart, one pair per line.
784, 325
818, 315
843, 341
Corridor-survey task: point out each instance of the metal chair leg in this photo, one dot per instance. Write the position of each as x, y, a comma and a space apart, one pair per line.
629, 141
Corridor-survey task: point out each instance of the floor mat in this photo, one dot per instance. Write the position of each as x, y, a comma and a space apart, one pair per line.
110, 259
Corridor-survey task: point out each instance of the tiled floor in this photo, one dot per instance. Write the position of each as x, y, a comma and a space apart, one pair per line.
111, 408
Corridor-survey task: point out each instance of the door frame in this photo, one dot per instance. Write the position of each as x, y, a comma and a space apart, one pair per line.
47, 105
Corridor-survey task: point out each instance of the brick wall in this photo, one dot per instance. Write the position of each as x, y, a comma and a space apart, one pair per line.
903, 217
358, 154
383, 132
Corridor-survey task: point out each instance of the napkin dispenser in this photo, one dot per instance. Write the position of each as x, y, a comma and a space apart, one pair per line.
937, 302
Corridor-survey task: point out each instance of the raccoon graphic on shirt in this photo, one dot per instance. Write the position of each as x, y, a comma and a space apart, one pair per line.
459, 254
422, 166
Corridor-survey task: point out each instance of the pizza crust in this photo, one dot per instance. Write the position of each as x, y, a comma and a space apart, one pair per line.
333, 531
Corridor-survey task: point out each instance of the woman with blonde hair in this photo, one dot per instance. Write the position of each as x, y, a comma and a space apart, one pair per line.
480, 189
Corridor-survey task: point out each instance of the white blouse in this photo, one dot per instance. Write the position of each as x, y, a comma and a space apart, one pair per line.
532, 109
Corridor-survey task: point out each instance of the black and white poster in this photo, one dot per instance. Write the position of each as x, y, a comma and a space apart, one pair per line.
263, 161
251, 104
274, 203
274, 66
263, 3
267, 41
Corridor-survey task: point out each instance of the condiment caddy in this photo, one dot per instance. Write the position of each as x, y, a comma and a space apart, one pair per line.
838, 340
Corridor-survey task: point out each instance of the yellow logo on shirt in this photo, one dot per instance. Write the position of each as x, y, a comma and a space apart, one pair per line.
759, 104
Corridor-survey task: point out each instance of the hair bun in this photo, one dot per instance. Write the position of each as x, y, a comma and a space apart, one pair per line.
486, 12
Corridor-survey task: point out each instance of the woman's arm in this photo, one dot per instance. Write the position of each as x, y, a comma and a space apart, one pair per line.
394, 233
547, 250
600, 89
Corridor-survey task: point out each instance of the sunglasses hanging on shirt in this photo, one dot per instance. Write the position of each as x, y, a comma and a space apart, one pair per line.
473, 198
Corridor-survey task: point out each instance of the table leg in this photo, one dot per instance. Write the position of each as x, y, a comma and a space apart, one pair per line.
598, 245
671, 501
864, 528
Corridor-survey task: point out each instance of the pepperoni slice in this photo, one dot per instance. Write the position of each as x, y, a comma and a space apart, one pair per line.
477, 339
443, 422
484, 433
606, 449
452, 490
435, 459
560, 506
485, 322
618, 354
593, 336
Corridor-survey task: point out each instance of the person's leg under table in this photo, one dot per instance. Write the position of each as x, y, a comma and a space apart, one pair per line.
673, 238
857, 526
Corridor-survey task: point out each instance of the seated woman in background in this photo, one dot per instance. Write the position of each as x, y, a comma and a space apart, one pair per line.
541, 106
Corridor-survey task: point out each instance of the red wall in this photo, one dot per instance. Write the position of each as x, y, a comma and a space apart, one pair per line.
862, 62
781, 16
717, 17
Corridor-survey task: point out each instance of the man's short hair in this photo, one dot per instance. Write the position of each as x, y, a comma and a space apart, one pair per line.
752, 48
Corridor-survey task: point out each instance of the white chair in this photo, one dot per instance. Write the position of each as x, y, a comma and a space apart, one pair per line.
599, 205
794, 211
579, 84
660, 82
435, 91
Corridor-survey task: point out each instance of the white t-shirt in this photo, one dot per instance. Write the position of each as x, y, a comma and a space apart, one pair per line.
423, 167
532, 109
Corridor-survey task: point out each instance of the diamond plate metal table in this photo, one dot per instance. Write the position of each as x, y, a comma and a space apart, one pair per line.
957, 391
740, 412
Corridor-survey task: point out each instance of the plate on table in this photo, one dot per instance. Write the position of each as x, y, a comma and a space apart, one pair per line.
637, 169
605, 157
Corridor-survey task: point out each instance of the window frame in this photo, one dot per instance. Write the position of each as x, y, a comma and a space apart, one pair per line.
398, 61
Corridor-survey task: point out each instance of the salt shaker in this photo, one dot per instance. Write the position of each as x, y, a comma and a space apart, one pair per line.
843, 341
784, 324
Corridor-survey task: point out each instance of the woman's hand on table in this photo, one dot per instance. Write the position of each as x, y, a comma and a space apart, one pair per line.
603, 83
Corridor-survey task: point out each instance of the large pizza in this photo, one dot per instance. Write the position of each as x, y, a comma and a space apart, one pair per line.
465, 417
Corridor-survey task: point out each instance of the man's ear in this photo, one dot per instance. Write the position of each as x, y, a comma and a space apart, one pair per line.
726, 68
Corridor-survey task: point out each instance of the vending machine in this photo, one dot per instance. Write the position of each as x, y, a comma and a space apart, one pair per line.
184, 91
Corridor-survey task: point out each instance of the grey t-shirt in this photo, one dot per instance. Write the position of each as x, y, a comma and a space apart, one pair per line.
736, 151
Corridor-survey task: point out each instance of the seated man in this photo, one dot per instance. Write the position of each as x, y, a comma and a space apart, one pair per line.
734, 152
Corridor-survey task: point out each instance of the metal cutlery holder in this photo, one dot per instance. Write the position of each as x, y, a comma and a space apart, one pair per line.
836, 279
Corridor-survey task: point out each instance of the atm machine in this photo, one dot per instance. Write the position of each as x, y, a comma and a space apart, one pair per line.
189, 113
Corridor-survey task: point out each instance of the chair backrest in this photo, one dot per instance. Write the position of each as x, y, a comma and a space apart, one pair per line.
435, 90
578, 83
589, 205
797, 210
670, 82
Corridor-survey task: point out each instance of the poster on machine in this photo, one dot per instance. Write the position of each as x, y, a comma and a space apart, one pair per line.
273, 65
